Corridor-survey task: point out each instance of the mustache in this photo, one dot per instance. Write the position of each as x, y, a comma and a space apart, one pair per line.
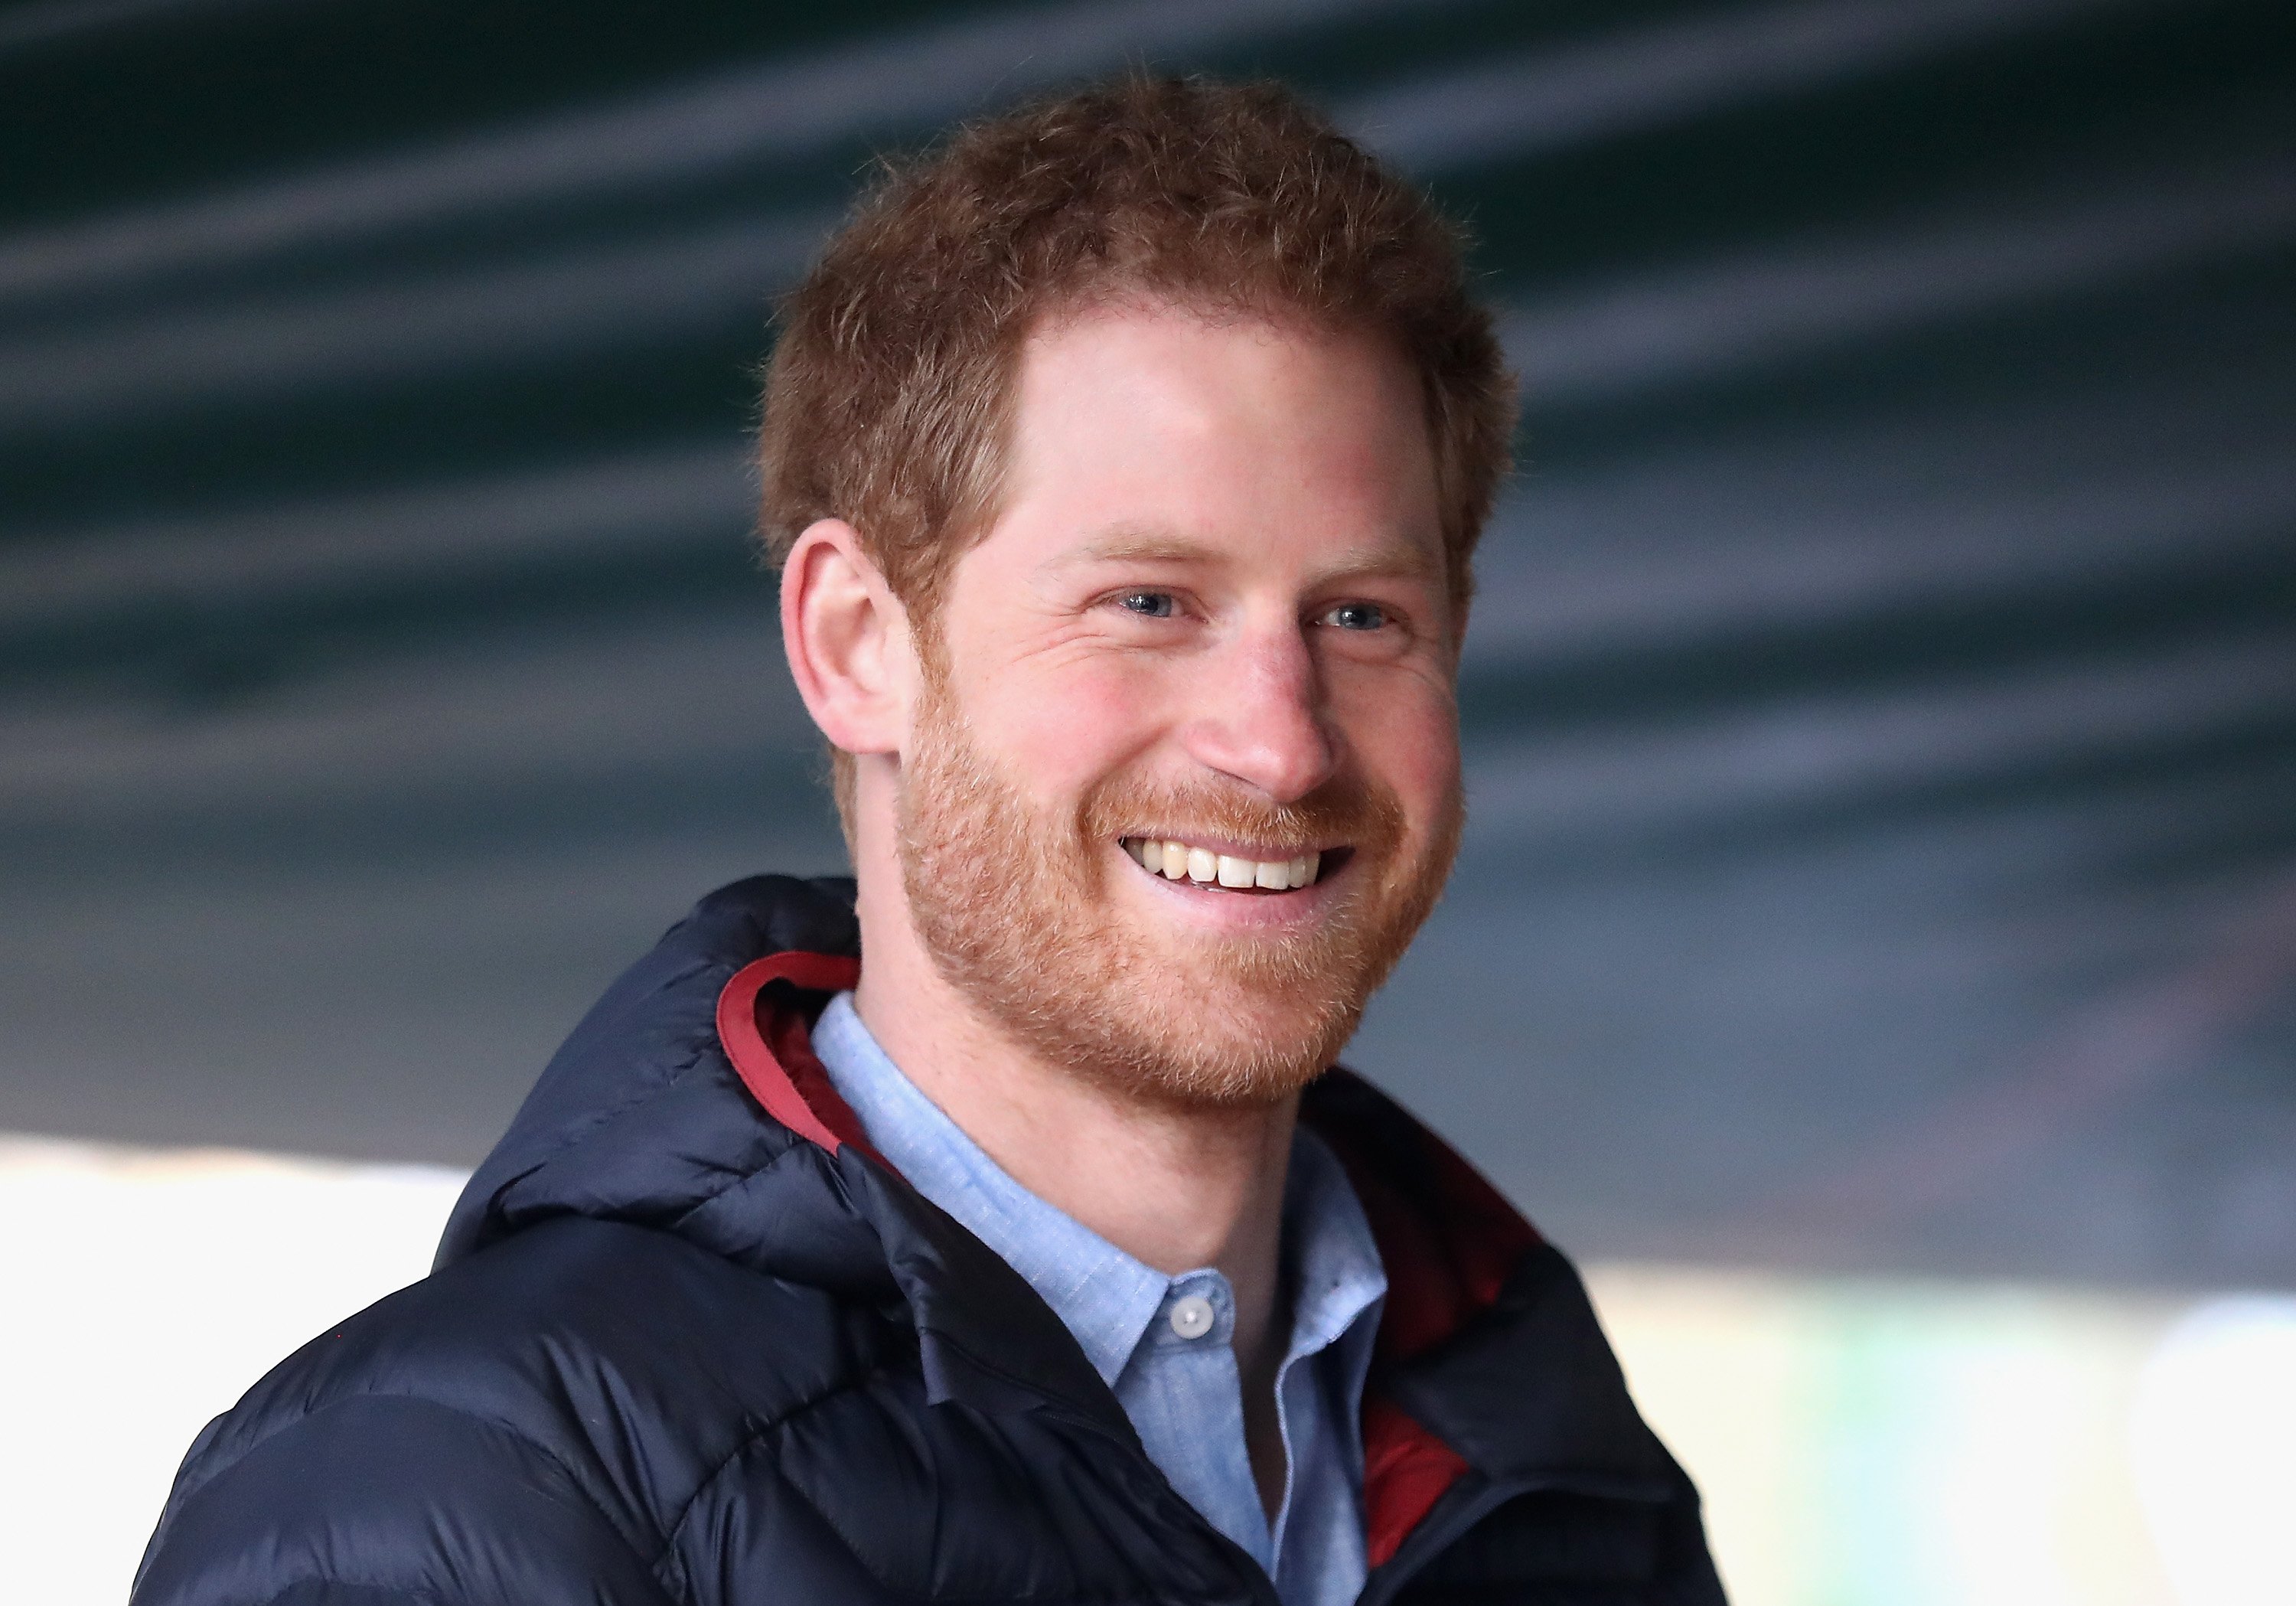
1343, 812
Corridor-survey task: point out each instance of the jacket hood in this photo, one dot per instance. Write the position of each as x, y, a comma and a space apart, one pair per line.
688, 1101
640, 1117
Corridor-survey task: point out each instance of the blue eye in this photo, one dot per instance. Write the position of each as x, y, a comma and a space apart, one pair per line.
1148, 604
1357, 616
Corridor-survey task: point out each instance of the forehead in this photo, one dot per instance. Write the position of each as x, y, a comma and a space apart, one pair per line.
1240, 432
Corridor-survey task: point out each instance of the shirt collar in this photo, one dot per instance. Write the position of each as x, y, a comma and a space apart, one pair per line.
1335, 1272
1104, 1297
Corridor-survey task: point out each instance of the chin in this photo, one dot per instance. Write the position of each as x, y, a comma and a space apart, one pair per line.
1250, 1048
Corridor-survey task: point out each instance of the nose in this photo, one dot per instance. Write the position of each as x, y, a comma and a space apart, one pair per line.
1259, 716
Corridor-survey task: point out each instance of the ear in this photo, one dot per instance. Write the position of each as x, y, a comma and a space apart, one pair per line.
847, 640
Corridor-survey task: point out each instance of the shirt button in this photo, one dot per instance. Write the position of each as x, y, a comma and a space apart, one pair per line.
1192, 1317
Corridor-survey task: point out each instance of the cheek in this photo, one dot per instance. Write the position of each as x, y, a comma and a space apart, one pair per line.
1403, 732
1065, 729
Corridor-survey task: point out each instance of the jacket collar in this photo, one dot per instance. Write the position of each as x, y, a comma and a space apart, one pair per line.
985, 1337
1488, 1339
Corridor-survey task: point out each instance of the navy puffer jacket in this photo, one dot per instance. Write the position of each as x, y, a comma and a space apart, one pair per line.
690, 1340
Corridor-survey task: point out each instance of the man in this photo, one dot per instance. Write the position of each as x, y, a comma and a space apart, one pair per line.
991, 1227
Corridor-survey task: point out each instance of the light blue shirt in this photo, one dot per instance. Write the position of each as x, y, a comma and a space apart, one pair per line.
1173, 1371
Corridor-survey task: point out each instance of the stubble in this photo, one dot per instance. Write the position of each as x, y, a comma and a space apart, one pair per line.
1012, 903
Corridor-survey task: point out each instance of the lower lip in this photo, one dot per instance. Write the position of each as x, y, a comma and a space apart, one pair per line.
1236, 907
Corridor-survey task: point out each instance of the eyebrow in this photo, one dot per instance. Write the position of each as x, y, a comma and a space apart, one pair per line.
1131, 546
1395, 555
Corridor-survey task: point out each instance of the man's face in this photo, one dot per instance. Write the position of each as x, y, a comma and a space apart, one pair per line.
1209, 631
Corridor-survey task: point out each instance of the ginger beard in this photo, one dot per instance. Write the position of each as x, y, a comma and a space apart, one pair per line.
1013, 902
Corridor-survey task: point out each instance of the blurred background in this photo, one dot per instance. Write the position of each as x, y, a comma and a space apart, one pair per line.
1875, 949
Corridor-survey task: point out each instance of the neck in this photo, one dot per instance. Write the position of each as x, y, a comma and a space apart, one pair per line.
1177, 1188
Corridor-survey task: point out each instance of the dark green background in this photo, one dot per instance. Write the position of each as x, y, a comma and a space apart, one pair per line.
1882, 712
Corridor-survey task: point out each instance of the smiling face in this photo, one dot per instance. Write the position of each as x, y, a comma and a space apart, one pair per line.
1183, 780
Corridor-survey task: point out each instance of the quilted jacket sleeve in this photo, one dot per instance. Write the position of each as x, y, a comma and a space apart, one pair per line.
382, 1500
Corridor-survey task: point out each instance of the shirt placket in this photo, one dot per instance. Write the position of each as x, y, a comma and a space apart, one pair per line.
1186, 1376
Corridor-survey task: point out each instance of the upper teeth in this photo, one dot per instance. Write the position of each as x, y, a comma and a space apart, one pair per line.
1180, 862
